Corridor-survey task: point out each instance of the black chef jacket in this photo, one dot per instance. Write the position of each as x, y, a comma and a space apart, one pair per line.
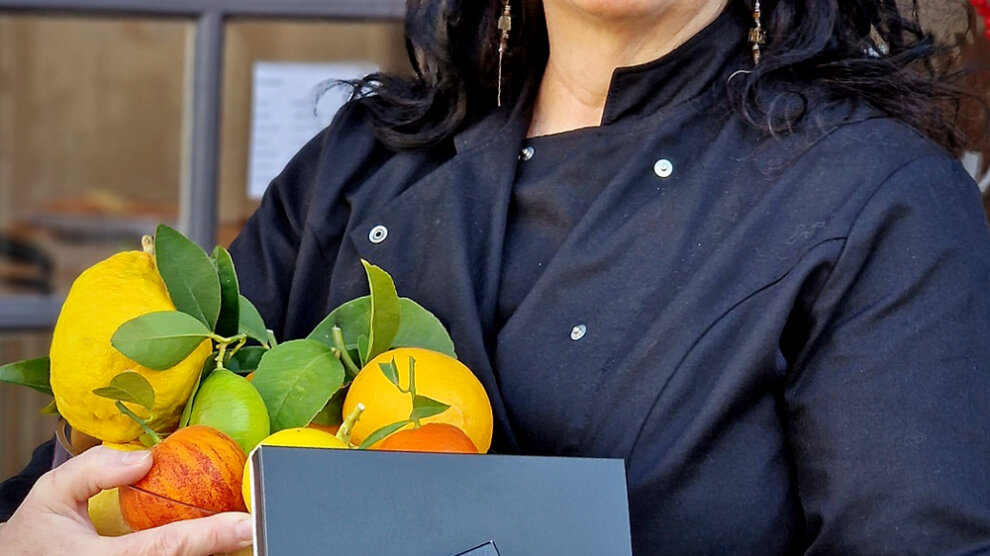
785, 338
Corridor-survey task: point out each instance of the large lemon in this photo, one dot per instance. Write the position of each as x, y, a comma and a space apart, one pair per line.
102, 298
438, 376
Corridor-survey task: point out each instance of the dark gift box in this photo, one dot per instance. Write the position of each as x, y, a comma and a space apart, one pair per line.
356, 502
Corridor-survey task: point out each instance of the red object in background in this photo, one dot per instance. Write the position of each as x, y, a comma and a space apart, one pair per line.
983, 10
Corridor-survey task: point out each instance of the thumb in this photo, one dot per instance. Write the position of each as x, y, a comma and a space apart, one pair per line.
96, 469
224, 532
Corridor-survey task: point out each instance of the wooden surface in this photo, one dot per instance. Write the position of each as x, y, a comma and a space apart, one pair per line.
90, 140
93, 106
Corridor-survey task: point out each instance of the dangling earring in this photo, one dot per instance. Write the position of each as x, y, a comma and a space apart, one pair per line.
757, 35
880, 46
504, 26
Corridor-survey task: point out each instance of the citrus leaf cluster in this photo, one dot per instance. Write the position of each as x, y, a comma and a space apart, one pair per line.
351, 335
296, 380
300, 381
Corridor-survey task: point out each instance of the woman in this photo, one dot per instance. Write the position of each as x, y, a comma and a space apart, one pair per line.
739, 259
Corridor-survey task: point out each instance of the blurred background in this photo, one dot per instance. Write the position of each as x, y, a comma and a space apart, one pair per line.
116, 115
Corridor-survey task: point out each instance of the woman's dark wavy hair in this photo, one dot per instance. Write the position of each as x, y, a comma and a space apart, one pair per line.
817, 50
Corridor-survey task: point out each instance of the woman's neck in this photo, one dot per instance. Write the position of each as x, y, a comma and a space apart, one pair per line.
586, 46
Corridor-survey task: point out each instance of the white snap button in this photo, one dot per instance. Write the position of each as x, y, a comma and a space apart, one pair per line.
578, 332
663, 168
378, 234
527, 153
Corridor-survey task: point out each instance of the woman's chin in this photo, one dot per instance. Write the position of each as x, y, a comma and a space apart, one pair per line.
619, 9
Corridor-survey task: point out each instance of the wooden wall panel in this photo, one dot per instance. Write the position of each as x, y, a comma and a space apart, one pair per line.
94, 106
90, 131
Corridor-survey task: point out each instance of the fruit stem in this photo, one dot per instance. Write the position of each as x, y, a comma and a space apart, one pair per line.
342, 353
238, 347
148, 245
155, 439
221, 353
223, 343
344, 432
412, 388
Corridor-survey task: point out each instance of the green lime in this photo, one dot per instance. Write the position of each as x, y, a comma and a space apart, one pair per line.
228, 402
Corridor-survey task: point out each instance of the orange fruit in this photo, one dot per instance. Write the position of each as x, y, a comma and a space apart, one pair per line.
431, 437
439, 377
196, 472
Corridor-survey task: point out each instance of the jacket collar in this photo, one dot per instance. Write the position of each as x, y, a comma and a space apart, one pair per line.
695, 68
699, 65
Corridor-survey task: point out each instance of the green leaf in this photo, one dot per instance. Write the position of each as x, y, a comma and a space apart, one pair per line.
385, 311
421, 328
417, 327
159, 340
230, 305
189, 276
50, 409
424, 407
32, 373
381, 433
333, 413
390, 371
246, 359
250, 322
187, 409
352, 318
209, 366
362, 345
296, 380
130, 387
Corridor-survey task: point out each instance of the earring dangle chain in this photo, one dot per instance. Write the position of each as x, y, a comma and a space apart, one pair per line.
757, 35
504, 26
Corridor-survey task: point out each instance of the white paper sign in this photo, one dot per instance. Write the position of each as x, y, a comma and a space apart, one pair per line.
291, 103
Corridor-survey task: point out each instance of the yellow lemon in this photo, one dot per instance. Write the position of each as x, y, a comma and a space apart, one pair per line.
248, 551
104, 508
303, 437
125, 446
103, 297
438, 376
104, 512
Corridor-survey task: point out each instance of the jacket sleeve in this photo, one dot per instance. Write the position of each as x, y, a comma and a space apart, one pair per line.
14, 489
888, 405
